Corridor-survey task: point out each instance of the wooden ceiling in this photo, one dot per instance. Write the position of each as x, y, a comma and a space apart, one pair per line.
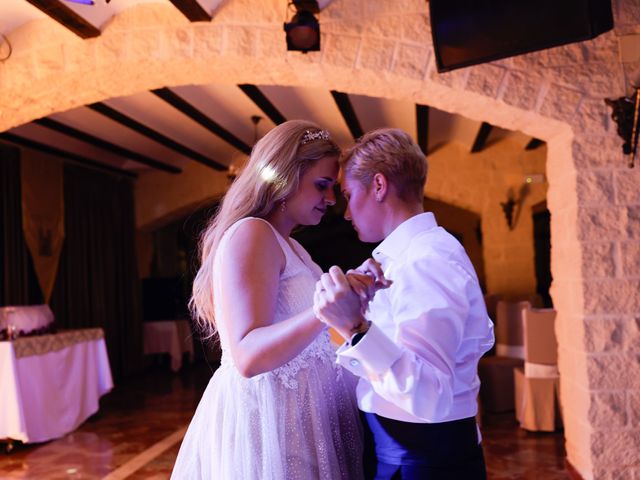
213, 124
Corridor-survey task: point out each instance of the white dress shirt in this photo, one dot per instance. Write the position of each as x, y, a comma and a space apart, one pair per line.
418, 361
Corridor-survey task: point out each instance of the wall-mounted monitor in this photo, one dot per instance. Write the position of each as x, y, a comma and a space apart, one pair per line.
468, 32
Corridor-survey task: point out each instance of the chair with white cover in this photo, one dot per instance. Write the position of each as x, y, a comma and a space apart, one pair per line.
496, 372
537, 384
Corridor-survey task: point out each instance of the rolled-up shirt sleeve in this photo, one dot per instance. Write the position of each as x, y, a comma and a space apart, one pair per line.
415, 369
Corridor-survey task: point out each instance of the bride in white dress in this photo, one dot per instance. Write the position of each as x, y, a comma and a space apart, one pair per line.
279, 407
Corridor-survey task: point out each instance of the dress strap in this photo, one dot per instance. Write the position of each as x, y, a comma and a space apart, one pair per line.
281, 241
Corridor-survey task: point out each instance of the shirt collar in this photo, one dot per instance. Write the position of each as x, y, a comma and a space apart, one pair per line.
398, 240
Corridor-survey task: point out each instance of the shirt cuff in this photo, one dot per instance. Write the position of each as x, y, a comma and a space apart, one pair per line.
372, 356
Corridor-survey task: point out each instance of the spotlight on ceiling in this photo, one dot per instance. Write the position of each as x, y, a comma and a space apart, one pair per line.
303, 31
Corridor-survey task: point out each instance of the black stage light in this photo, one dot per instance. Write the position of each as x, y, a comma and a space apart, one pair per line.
303, 31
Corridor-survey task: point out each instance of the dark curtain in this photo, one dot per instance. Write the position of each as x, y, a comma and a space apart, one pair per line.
18, 282
97, 284
542, 246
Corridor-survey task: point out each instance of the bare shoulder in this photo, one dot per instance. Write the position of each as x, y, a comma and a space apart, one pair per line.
254, 243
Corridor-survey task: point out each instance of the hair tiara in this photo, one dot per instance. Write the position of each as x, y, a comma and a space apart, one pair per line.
312, 136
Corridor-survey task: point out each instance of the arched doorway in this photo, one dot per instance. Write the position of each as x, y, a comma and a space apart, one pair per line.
382, 51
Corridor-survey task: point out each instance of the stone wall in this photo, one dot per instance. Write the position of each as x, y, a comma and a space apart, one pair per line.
383, 49
162, 197
480, 182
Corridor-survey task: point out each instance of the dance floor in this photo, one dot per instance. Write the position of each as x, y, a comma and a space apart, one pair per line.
138, 430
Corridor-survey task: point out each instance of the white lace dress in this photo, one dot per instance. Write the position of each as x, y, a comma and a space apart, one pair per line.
299, 421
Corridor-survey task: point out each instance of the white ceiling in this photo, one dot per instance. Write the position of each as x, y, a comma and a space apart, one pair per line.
227, 105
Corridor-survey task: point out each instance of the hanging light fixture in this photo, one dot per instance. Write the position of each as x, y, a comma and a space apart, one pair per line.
303, 31
236, 166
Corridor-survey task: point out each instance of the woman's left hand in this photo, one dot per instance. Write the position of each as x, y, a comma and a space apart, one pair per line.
336, 304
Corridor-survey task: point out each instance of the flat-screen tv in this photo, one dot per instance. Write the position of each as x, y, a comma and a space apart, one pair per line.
468, 32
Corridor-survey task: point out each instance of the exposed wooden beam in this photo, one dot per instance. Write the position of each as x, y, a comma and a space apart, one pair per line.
422, 125
192, 10
197, 116
70, 156
348, 113
533, 144
263, 103
481, 137
108, 146
66, 17
129, 122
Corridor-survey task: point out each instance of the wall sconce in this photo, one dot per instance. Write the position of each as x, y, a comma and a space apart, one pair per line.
303, 31
625, 114
513, 206
507, 209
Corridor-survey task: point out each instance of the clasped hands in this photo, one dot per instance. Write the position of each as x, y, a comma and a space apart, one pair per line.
340, 300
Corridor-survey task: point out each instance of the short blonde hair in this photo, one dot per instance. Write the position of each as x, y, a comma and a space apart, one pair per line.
272, 174
393, 153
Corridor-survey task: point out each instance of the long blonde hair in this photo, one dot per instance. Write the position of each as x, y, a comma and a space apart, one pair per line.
276, 164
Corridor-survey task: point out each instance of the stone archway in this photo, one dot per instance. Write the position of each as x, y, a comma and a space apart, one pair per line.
382, 49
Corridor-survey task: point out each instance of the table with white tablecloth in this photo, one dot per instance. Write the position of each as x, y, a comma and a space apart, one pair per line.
52, 383
169, 336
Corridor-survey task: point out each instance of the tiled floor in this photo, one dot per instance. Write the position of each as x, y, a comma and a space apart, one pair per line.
137, 434
515, 454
